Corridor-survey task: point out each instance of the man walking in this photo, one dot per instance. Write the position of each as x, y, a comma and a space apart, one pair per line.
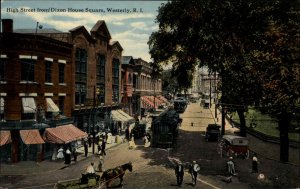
230, 166
103, 145
254, 164
194, 169
179, 172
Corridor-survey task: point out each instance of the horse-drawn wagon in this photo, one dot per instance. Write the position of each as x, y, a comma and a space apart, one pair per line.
94, 180
77, 183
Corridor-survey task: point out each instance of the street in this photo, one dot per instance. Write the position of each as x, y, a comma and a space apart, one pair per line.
154, 167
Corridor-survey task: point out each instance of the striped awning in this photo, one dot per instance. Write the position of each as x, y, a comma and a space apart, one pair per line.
28, 105
163, 98
51, 106
147, 101
31, 136
5, 137
63, 134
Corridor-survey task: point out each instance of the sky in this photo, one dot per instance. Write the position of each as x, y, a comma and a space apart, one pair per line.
131, 29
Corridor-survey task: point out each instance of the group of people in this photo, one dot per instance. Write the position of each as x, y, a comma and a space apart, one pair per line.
67, 154
102, 145
194, 169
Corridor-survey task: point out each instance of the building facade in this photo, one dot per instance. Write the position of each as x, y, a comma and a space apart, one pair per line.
35, 91
147, 89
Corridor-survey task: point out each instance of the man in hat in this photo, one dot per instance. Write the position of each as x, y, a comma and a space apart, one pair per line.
230, 166
254, 164
179, 172
194, 169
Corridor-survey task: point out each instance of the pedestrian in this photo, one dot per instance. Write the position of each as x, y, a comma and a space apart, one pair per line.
68, 156
254, 164
101, 164
127, 133
103, 145
60, 153
99, 148
90, 140
179, 172
230, 166
194, 169
85, 145
75, 154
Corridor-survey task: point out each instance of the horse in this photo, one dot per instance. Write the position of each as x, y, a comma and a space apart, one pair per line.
117, 172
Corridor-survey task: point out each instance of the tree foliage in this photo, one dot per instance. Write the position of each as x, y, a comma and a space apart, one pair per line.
253, 45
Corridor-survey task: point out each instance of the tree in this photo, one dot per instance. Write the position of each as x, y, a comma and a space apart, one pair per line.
234, 38
277, 61
170, 84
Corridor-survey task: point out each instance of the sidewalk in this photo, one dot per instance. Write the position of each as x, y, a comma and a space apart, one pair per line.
32, 167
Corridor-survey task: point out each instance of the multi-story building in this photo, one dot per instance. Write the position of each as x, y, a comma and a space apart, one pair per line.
97, 65
147, 89
127, 84
50, 80
35, 91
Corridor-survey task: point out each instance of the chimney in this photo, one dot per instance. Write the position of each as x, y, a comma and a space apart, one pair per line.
7, 25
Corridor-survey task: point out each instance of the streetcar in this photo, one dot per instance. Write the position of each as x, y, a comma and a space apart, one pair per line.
180, 105
165, 129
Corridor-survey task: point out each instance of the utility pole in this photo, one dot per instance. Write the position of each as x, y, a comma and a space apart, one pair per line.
209, 92
94, 105
216, 96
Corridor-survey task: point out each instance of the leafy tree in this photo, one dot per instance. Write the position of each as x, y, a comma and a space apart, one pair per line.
277, 60
234, 38
170, 84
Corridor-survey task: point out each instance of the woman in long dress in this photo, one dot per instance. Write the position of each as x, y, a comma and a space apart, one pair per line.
60, 154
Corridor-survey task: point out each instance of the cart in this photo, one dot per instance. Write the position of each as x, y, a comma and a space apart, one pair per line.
235, 145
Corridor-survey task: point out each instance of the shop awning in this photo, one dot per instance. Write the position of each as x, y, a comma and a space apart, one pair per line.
124, 114
2, 105
147, 101
118, 116
163, 99
5, 137
31, 136
28, 105
63, 134
51, 106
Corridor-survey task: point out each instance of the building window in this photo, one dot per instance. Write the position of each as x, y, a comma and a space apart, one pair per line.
61, 104
81, 76
115, 80
2, 69
61, 70
29, 108
27, 69
2, 107
48, 71
101, 78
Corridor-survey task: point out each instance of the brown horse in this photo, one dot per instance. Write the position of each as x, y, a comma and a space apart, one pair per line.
117, 172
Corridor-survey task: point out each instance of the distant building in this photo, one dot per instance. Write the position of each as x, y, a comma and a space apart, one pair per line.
147, 90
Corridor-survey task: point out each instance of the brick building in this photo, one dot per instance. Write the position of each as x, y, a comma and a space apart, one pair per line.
35, 91
147, 89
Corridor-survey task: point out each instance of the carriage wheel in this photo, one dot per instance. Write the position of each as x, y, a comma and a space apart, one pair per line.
102, 184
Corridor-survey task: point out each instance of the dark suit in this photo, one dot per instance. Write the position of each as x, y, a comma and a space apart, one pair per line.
179, 172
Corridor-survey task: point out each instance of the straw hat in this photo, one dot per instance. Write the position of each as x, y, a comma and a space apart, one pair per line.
194, 161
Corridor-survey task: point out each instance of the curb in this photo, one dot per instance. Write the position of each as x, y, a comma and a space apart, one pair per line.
62, 167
